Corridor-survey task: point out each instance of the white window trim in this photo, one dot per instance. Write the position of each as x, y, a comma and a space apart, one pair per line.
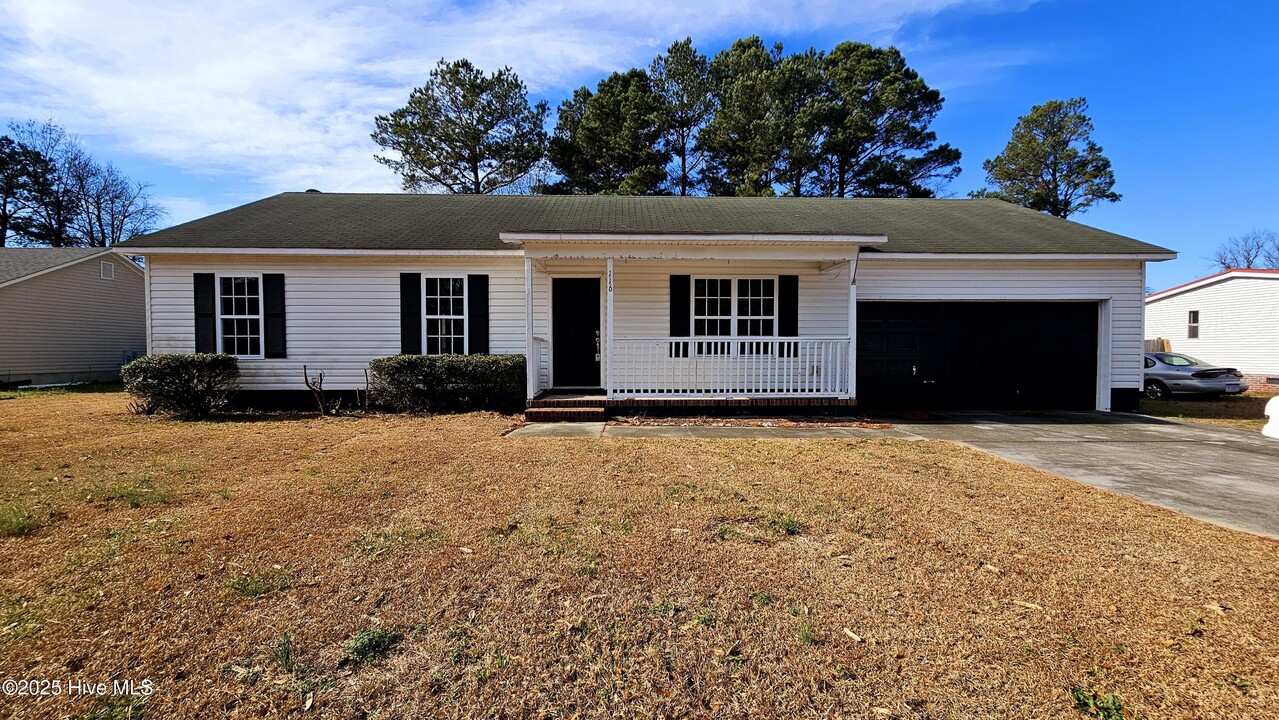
106, 270
734, 346
1195, 325
466, 307
217, 298
734, 279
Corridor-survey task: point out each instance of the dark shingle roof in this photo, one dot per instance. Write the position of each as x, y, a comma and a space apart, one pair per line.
470, 222
20, 262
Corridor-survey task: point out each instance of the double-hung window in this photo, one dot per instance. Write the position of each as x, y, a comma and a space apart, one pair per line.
240, 315
1192, 325
445, 315
722, 305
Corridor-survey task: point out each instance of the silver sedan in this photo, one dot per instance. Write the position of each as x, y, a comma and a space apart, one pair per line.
1168, 373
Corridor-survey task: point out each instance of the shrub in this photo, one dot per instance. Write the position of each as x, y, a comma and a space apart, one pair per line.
187, 386
448, 383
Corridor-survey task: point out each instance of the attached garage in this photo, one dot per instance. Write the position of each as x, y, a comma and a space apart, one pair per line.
977, 355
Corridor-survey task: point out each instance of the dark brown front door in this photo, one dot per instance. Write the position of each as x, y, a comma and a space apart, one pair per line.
575, 331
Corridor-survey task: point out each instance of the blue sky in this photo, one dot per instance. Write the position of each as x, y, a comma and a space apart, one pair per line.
220, 104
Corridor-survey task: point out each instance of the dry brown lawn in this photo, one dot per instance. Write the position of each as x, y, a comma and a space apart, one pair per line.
1245, 412
600, 578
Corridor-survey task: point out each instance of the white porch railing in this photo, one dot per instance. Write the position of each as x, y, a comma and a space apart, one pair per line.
729, 367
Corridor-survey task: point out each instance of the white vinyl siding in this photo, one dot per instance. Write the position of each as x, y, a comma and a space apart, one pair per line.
642, 293
1237, 323
1118, 282
341, 312
70, 325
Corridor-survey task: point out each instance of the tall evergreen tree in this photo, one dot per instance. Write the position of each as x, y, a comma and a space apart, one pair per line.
609, 141
1051, 164
878, 142
681, 77
801, 111
741, 140
464, 131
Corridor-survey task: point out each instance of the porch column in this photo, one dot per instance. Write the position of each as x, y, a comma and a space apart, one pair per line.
531, 356
608, 355
852, 329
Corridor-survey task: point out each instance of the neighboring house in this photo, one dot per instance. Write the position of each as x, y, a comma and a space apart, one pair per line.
1229, 319
649, 300
68, 315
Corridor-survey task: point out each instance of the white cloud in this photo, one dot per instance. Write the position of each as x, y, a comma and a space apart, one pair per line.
281, 96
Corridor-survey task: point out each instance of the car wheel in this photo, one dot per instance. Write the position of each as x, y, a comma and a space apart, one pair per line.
1156, 390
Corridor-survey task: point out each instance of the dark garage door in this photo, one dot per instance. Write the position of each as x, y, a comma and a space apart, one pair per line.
977, 355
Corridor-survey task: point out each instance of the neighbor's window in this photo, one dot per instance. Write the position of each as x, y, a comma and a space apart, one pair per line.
240, 315
445, 302
108, 271
1192, 325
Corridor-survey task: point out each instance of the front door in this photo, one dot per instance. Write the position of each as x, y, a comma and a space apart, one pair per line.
575, 332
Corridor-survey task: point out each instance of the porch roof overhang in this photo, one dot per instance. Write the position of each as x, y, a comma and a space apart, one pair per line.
585, 246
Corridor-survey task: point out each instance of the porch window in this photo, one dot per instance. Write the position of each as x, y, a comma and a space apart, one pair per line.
445, 305
712, 313
721, 305
240, 316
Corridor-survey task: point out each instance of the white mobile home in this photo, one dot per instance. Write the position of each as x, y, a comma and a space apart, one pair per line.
1229, 319
652, 300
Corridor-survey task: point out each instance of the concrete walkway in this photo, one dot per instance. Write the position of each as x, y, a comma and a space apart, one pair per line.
1222, 475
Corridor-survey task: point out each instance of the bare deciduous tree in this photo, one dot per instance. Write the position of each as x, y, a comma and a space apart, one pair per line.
1254, 249
71, 199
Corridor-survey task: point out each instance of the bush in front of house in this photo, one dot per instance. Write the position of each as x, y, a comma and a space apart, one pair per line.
191, 387
448, 383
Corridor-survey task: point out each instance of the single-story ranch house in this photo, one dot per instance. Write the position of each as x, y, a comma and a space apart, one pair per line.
647, 300
68, 315
1229, 319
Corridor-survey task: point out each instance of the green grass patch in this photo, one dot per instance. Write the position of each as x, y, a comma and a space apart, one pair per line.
16, 521
1103, 707
120, 707
139, 493
372, 644
260, 584
388, 542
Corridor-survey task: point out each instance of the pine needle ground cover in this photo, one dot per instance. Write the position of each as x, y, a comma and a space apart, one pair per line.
395, 566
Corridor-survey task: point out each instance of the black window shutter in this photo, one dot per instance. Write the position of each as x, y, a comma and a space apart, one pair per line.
206, 318
477, 314
273, 331
787, 313
681, 313
411, 313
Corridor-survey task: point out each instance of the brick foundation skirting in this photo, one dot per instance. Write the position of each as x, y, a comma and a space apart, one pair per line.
1268, 383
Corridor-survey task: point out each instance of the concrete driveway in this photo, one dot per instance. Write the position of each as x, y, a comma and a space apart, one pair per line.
1229, 477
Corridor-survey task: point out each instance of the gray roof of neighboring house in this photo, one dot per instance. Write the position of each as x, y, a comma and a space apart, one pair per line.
19, 262
473, 222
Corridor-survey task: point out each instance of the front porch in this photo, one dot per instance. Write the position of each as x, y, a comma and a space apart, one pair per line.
765, 323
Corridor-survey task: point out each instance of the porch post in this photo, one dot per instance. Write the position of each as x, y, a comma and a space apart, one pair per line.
852, 329
531, 357
608, 356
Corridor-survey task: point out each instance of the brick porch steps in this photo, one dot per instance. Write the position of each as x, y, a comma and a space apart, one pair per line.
565, 414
